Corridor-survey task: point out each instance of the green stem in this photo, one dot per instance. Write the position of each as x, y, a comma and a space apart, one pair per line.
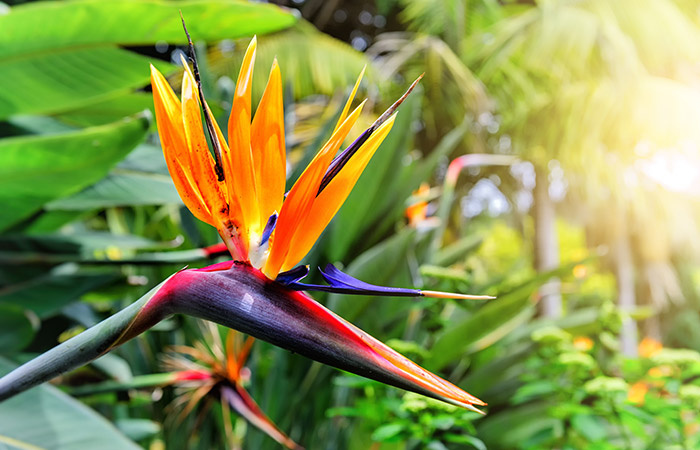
137, 382
81, 349
176, 257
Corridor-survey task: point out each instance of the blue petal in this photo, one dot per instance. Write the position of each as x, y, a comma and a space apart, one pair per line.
342, 283
291, 277
269, 228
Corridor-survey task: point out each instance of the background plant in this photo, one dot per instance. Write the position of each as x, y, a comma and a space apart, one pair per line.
597, 173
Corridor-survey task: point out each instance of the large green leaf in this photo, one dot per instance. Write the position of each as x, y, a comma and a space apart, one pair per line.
140, 179
46, 294
37, 169
111, 109
490, 323
16, 328
32, 29
122, 188
45, 418
65, 78
508, 429
82, 241
57, 56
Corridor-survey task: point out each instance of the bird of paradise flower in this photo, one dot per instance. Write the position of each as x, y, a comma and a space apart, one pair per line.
214, 369
238, 187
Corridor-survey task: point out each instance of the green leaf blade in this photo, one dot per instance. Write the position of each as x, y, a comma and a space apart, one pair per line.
35, 170
67, 78
47, 418
42, 26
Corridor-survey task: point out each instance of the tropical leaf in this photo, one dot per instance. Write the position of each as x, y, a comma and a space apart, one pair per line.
122, 188
451, 20
448, 81
490, 323
522, 423
69, 78
47, 293
62, 55
35, 170
43, 26
142, 178
45, 418
109, 110
311, 62
17, 329
82, 242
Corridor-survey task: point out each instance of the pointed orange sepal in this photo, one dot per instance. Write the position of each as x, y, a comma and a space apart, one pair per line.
267, 140
348, 103
172, 136
238, 164
301, 197
201, 160
329, 201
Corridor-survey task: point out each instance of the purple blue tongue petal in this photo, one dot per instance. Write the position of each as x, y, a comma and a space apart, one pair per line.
342, 283
291, 277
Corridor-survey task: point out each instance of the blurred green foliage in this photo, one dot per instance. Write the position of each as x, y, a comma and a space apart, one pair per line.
90, 220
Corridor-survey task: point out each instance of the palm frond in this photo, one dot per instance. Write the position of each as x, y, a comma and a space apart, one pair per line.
312, 62
445, 75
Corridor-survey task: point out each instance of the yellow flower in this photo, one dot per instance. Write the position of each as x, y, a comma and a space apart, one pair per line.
691, 429
660, 371
649, 347
416, 212
580, 271
583, 343
637, 392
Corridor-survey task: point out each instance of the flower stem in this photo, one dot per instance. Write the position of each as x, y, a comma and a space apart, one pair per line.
79, 350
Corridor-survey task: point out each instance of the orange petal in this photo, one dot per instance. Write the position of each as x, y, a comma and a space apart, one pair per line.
421, 377
346, 108
194, 398
202, 162
245, 351
267, 141
232, 232
232, 367
243, 403
172, 139
239, 168
329, 201
301, 197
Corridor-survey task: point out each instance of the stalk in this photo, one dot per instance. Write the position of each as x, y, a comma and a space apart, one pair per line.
241, 297
81, 349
